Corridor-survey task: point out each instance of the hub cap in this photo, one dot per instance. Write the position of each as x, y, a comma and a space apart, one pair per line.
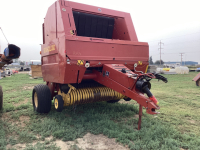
35, 100
56, 103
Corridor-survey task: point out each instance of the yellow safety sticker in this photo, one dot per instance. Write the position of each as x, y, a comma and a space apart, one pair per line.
80, 62
49, 48
71, 32
139, 62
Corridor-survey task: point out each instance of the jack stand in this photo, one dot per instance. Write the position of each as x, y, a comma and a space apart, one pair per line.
140, 117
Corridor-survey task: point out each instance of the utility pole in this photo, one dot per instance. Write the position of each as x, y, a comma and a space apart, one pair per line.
181, 57
160, 43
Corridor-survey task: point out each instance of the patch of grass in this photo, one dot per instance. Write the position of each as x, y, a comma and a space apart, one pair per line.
12, 140
2, 136
179, 101
176, 127
26, 137
41, 146
74, 147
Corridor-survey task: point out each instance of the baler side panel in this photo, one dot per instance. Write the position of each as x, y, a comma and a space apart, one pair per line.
50, 61
131, 30
50, 24
74, 73
68, 21
60, 25
123, 33
62, 60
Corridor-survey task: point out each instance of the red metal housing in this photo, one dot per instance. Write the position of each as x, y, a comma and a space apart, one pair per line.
83, 42
61, 43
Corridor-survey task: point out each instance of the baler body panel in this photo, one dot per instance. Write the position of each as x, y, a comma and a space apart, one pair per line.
92, 54
106, 50
62, 43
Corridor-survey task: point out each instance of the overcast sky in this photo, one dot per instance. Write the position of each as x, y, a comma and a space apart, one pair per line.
175, 22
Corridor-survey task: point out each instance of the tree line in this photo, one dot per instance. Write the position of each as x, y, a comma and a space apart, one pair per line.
157, 62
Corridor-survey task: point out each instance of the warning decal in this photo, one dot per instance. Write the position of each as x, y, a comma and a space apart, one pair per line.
80, 62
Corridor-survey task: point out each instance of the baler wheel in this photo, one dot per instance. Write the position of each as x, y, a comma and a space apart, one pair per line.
198, 82
41, 98
113, 101
58, 103
1, 97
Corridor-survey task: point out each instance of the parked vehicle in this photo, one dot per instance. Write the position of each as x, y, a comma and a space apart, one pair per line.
24, 69
11, 52
15, 71
8, 72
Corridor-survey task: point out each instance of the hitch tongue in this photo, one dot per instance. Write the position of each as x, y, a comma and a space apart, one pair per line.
144, 87
150, 95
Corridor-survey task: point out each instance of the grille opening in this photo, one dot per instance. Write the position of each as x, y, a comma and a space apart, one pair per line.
90, 25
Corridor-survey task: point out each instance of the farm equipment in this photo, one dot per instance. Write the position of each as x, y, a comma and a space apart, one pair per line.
197, 79
91, 54
10, 53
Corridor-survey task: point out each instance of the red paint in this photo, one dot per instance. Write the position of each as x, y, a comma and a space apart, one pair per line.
197, 77
89, 76
56, 24
153, 99
61, 50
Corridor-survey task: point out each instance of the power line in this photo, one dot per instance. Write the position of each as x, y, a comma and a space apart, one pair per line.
178, 53
185, 42
160, 43
181, 57
4, 35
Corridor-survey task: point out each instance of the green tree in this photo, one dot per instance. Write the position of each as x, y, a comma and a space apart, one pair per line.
158, 62
150, 60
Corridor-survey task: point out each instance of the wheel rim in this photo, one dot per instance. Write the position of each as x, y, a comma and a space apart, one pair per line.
35, 100
56, 103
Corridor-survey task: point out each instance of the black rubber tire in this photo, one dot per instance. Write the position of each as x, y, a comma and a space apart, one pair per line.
1, 98
43, 97
113, 101
127, 99
60, 103
198, 82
